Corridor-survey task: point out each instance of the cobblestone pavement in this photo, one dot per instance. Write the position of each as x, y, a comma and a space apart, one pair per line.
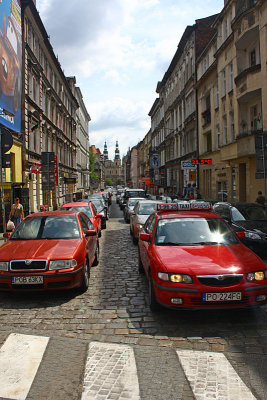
115, 310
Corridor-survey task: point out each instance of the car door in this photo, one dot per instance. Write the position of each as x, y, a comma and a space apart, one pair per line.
145, 247
89, 240
98, 220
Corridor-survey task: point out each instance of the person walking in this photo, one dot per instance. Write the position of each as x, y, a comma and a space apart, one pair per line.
16, 214
260, 199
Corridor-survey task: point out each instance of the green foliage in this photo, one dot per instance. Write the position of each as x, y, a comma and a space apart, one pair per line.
92, 160
109, 181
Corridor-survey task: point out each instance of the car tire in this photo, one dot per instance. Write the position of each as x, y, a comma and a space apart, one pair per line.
135, 241
96, 260
86, 276
140, 264
153, 304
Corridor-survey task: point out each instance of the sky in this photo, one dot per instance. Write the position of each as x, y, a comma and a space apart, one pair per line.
119, 50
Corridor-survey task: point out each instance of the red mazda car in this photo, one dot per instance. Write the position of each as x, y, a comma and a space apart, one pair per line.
49, 250
89, 209
193, 259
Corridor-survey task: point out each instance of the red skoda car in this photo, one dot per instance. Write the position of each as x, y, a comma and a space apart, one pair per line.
193, 259
49, 250
89, 209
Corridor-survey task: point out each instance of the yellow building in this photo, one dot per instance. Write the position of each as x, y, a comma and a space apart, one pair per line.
232, 102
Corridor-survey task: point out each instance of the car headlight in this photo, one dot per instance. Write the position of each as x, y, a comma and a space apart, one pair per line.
62, 264
139, 226
175, 278
252, 235
4, 265
257, 276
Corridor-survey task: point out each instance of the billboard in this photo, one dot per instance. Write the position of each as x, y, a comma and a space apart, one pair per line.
11, 64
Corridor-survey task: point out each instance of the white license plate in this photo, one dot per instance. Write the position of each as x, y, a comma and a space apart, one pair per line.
222, 296
27, 280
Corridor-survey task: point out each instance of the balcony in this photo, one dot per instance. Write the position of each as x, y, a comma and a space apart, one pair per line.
242, 6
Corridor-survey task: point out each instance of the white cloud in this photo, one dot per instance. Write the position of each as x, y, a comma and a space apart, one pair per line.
118, 50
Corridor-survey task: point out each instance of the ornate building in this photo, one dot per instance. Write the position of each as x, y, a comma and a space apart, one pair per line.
113, 169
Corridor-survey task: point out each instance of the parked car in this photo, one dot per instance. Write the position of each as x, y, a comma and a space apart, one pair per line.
128, 209
141, 212
193, 259
250, 218
101, 209
48, 251
119, 192
89, 209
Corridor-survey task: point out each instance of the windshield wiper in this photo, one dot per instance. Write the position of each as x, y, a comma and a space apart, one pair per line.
170, 244
203, 243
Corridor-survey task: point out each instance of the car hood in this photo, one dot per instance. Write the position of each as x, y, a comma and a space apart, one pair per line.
257, 225
210, 259
41, 249
141, 219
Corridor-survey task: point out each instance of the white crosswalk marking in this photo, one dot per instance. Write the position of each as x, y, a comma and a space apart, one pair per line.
20, 357
110, 373
211, 376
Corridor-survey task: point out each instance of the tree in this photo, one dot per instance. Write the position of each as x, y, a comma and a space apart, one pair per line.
92, 161
109, 181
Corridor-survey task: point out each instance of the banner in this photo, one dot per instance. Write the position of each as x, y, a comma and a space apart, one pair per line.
11, 64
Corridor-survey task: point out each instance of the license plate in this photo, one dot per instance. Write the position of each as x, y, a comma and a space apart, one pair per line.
222, 296
27, 280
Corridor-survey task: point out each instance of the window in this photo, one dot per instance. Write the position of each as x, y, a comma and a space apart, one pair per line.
230, 77
218, 140
232, 126
252, 58
216, 96
224, 129
223, 83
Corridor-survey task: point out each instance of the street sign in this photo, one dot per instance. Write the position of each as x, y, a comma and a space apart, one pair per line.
188, 164
6, 161
6, 140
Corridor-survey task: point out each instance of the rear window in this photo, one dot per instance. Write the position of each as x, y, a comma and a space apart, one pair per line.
136, 193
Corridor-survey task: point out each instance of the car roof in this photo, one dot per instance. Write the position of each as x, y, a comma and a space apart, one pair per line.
186, 214
54, 213
77, 204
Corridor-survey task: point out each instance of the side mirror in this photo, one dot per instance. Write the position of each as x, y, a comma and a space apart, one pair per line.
145, 237
98, 215
241, 235
90, 232
6, 235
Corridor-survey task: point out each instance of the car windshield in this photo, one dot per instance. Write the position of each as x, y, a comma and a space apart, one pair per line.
47, 227
194, 231
85, 209
147, 209
132, 203
251, 212
99, 204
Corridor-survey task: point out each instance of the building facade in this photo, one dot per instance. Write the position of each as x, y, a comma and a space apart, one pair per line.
232, 96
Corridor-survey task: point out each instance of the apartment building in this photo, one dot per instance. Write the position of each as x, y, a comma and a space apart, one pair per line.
232, 93
176, 132
48, 114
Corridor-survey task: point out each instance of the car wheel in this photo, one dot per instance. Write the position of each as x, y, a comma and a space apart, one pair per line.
135, 241
140, 265
153, 304
96, 260
86, 276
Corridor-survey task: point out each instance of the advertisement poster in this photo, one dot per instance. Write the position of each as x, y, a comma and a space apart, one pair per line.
11, 64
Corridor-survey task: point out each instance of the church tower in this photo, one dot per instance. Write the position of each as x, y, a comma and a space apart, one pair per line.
117, 152
105, 152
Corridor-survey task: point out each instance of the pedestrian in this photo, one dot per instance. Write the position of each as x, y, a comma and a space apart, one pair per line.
16, 214
260, 199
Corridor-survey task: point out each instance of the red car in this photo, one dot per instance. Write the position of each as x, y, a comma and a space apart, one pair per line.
49, 250
89, 209
193, 259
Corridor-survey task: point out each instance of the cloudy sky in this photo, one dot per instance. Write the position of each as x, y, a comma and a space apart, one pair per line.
118, 50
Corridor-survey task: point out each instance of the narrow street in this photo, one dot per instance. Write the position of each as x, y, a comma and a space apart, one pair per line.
112, 319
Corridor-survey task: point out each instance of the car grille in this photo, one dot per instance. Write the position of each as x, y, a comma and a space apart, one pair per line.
24, 265
226, 280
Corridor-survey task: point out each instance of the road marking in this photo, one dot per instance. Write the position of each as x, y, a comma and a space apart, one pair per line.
110, 373
211, 376
20, 357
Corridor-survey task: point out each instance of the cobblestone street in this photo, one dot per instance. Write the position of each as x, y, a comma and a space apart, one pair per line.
115, 310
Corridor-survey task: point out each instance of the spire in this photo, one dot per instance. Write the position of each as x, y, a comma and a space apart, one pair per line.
117, 152
105, 152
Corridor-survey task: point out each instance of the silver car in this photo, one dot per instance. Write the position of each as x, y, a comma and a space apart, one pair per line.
141, 212
128, 209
